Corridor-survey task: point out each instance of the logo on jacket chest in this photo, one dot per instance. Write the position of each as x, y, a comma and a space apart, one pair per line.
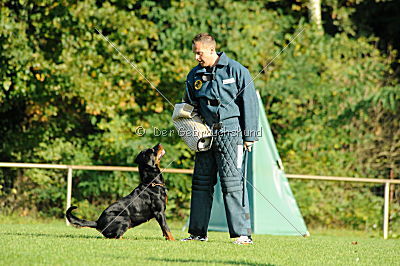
198, 84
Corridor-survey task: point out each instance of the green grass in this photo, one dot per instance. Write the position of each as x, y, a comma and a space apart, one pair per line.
55, 243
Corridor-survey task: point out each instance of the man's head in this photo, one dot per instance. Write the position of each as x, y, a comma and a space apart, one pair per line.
203, 46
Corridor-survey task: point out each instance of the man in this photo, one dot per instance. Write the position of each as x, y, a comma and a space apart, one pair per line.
223, 93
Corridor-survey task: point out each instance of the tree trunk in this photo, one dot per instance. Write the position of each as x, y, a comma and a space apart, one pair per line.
314, 13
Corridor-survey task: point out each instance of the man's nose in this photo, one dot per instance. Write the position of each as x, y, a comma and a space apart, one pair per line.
197, 57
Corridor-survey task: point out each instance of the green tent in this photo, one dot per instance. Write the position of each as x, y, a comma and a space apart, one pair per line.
273, 207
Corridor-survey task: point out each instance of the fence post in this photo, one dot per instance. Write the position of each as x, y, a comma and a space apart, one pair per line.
69, 190
386, 211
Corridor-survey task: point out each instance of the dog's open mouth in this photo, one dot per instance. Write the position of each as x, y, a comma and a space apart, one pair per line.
161, 154
159, 151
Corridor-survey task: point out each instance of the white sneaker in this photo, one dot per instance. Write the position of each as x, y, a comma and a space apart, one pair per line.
196, 238
243, 240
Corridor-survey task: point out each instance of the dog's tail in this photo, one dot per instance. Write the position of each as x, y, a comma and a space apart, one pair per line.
78, 222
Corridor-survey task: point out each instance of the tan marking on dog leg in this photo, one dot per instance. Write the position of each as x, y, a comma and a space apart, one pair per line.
170, 237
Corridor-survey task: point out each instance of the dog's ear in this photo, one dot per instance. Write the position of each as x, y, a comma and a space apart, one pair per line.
151, 158
146, 157
139, 158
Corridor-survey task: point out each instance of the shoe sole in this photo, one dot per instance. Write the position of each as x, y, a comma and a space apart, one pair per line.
243, 244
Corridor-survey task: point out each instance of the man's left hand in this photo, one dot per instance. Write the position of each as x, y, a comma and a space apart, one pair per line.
248, 145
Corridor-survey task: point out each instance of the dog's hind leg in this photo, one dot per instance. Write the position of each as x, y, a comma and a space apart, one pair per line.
116, 230
122, 229
162, 221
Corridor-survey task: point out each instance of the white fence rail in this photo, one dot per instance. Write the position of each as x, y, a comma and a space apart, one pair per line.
70, 168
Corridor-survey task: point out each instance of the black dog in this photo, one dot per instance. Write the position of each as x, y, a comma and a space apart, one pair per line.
145, 202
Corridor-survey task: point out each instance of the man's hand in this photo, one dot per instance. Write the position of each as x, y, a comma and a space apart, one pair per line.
248, 145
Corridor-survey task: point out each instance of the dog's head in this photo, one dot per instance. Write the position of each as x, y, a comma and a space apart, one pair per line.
151, 157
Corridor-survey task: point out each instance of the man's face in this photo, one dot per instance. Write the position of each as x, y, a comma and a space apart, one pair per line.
204, 54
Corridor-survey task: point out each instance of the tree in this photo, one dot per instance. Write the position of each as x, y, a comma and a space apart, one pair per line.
314, 10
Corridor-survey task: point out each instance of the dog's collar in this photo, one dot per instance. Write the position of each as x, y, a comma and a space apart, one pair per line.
155, 184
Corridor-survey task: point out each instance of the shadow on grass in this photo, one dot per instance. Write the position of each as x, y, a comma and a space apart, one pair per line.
237, 262
52, 235
79, 236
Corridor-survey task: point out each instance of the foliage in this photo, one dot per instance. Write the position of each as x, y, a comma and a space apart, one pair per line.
338, 206
68, 97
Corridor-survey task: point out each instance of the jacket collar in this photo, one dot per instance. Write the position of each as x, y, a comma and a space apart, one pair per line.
223, 61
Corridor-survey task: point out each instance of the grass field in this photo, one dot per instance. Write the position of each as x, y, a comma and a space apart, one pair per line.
55, 243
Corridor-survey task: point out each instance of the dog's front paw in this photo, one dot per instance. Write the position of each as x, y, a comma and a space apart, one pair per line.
169, 237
